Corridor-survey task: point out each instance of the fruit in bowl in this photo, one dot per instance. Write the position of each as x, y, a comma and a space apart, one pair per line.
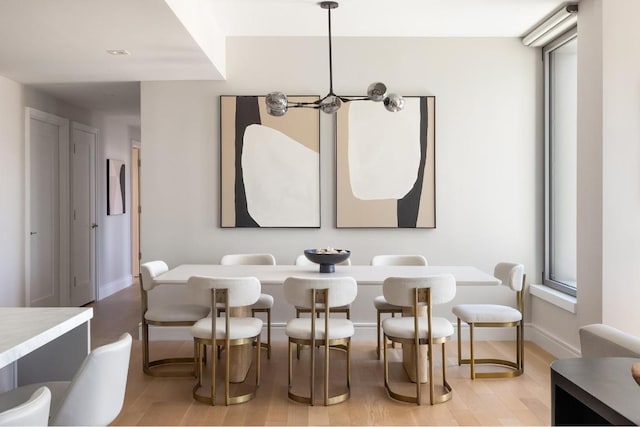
327, 258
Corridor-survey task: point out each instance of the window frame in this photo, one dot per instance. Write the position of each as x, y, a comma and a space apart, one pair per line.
566, 37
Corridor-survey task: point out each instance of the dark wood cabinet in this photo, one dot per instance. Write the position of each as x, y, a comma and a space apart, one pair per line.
599, 391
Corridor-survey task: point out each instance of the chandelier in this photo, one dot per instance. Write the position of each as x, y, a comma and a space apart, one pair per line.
278, 103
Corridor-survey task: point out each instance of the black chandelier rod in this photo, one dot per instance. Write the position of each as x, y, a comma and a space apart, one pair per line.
330, 54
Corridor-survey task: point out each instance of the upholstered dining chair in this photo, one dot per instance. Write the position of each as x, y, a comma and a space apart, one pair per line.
379, 302
422, 328
496, 316
328, 332
227, 331
164, 315
95, 394
303, 260
32, 412
265, 302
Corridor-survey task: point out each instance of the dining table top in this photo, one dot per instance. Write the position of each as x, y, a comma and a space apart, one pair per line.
363, 274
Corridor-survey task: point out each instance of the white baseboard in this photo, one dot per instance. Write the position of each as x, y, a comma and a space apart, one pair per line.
114, 286
550, 342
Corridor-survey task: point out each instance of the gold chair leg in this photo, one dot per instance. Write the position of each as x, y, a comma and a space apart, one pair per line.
214, 364
326, 375
289, 363
459, 343
145, 346
258, 349
472, 360
227, 369
312, 372
269, 334
379, 327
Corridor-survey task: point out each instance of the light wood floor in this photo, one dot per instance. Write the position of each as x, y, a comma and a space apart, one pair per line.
523, 400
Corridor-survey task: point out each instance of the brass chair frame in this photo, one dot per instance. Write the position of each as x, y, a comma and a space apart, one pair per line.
236, 259
220, 296
517, 367
389, 260
421, 295
149, 366
392, 312
320, 296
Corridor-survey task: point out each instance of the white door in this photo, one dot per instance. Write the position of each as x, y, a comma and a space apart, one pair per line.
84, 141
46, 149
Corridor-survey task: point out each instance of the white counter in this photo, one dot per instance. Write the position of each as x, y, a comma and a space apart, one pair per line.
47, 343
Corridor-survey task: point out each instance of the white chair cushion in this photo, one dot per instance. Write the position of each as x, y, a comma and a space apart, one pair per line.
486, 313
301, 328
402, 327
240, 327
380, 303
321, 307
264, 302
177, 313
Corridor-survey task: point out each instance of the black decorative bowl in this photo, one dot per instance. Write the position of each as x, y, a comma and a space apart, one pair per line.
326, 260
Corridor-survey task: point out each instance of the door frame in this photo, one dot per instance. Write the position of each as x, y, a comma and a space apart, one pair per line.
96, 236
135, 208
63, 202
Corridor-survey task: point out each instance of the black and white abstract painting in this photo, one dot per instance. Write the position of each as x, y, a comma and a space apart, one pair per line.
115, 187
269, 166
385, 165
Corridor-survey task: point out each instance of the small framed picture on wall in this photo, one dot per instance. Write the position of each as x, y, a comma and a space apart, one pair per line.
115, 187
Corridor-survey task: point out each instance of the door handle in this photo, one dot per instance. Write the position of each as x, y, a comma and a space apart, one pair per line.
33, 233
94, 225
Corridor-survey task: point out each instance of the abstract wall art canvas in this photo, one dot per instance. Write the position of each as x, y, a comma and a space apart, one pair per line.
270, 166
115, 187
385, 165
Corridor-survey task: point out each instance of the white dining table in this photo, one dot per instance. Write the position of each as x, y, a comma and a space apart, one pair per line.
363, 274
369, 279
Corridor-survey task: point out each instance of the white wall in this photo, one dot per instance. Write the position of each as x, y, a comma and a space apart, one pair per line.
621, 165
608, 174
115, 134
488, 151
114, 250
11, 193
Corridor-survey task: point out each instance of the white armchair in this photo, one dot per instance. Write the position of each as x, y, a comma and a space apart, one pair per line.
599, 340
33, 412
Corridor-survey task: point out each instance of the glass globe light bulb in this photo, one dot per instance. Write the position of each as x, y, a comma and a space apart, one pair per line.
394, 102
376, 91
277, 104
330, 104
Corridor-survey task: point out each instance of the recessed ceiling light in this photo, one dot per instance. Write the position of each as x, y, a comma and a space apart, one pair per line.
118, 52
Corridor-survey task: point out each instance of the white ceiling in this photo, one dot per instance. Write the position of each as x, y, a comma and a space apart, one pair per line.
60, 46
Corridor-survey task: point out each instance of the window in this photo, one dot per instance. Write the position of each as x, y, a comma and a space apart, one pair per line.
560, 62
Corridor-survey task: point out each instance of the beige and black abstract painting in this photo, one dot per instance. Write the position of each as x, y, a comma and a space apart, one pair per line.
115, 187
385, 165
270, 166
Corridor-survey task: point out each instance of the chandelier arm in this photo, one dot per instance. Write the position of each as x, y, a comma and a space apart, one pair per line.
305, 105
354, 98
291, 103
